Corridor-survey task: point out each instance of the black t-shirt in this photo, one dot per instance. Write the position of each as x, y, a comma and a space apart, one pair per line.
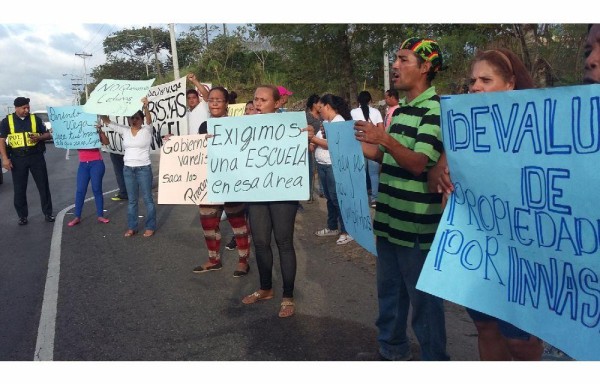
203, 128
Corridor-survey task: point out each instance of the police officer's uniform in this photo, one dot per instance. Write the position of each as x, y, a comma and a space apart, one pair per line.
27, 156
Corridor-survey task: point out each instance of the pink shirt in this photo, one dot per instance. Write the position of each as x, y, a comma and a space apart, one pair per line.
388, 116
89, 154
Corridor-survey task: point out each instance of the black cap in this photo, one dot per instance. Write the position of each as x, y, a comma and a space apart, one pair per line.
21, 101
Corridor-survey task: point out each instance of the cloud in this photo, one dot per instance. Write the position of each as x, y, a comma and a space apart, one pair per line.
36, 57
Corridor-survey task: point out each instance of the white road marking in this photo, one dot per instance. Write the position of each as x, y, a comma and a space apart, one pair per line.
44, 347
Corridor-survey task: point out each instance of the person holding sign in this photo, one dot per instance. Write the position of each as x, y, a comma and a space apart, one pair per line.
91, 168
407, 214
592, 55
22, 148
248, 110
138, 169
367, 113
197, 112
273, 218
493, 71
210, 215
333, 109
313, 118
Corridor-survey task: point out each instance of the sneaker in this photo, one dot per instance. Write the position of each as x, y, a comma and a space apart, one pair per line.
373, 203
344, 239
22, 221
118, 198
327, 232
232, 244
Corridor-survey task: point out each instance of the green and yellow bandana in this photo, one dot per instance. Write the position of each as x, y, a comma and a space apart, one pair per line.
427, 49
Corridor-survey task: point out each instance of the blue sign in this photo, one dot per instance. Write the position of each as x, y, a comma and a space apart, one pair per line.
520, 236
348, 163
258, 158
72, 128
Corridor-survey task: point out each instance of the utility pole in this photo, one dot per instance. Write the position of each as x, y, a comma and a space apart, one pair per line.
156, 66
84, 56
386, 66
174, 51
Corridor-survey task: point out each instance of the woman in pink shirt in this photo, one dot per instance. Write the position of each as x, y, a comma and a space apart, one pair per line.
91, 167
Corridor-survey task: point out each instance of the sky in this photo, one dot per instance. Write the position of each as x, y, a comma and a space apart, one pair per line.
38, 44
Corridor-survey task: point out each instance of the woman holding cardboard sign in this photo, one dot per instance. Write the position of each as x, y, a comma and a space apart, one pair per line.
210, 215
333, 109
91, 169
273, 218
493, 71
138, 170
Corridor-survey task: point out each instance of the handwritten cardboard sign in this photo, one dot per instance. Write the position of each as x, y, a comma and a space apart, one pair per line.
520, 237
182, 170
236, 109
167, 106
72, 128
117, 97
348, 165
258, 158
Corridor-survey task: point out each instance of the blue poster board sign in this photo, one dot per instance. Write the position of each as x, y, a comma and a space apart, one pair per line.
72, 128
258, 158
520, 236
348, 163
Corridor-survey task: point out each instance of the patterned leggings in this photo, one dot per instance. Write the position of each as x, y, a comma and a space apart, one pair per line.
210, 218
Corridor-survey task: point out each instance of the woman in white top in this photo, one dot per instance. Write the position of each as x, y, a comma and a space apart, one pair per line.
138, 170
333, 109
368, 113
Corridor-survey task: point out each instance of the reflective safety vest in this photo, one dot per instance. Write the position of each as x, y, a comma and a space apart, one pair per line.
21, 139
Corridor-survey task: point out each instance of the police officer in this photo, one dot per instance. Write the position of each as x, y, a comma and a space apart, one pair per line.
22, 148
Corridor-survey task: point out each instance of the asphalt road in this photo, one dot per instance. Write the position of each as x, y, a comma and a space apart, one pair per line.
136, 299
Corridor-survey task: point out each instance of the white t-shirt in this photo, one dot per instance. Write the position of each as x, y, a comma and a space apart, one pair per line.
322, 155
374, 115
137, 148
197, 116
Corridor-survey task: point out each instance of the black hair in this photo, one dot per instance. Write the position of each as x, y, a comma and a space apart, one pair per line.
232, 97
393, 93
432, 72
364, 98
338, 104
223, 91
192, 91
312, 100
138, 113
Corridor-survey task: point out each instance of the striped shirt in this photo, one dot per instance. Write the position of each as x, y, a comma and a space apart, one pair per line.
406, 211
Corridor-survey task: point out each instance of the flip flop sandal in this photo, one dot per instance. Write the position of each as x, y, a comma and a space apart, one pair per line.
129, 233
287, 309
256, 296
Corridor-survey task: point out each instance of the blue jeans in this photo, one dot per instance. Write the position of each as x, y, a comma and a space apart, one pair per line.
277, 218
373, 171
139, 179
94, 171
333, 207
398, 269
118, 164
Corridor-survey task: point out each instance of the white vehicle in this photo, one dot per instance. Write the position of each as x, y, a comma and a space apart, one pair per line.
43, 114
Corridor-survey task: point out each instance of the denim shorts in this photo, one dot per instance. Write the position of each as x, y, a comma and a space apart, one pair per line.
506, 329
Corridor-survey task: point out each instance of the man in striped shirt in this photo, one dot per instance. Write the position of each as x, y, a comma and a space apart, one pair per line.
407, 215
